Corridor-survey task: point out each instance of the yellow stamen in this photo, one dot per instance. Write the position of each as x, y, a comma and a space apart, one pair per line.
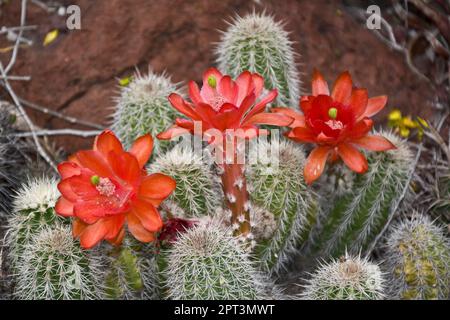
95, 180
212, 81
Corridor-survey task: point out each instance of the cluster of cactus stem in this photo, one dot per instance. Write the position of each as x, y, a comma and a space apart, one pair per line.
417, 256
355, 221
249, 222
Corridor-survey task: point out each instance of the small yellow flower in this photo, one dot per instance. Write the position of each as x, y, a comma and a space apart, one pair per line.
50, 37
395, 115
404, 124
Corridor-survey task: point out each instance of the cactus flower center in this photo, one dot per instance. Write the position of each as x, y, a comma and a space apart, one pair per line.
212, 81
332, 113
105, 187
95, 180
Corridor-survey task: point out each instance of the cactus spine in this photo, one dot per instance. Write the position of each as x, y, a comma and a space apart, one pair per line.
143, 108
418, 259
55, 267
350, 278
279, 188
198, 190
358, 219
33, 211
259, 44
208, 263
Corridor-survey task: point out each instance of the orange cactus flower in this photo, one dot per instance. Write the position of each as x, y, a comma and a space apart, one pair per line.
339, 123
223, 104
107, 187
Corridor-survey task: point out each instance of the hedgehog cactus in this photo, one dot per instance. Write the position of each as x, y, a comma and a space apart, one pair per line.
55, 267
358, 219
198, 191
259, 44
350, 278
33, 211
143, 108
418, 259
276, 179
208, 263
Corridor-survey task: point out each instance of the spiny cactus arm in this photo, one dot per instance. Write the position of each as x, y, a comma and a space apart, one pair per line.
356, 221
257, 43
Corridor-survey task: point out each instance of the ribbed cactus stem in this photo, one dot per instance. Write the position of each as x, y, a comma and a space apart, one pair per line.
359, 218
417, 256
236, 197
256, 42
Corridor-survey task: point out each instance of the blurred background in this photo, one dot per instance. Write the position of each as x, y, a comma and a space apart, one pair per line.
77, 72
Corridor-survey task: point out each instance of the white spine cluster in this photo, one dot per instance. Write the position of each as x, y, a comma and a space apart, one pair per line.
350, 278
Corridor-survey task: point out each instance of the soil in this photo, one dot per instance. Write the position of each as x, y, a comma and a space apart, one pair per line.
78, 72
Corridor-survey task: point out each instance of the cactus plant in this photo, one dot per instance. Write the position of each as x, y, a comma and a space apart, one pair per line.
418, 259
143, 108
279, 188
198, 191
349, 278
33, 211
132, 272
13, 163
55, 267
208, 263
259, 44
358, 219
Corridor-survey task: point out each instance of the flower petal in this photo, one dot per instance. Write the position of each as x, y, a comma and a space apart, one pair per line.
142, 149
374, 143
353, 158
172, 132
342, 89
118, 239
68, 169
157, 186
106, 142
358, 102
315, 164
306, 104
245, 85
125, 166
137, 229
194, 92
64, 207
92, 234
207, 92
258, 83
274, 119
178, 103
319, 85
148, 215
94, 161
228, 89
360, 129
299, 119
375, 105
261, 105
302, 134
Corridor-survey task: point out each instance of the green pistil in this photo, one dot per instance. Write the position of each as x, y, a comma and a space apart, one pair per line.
332, 113
95, 180
212, 81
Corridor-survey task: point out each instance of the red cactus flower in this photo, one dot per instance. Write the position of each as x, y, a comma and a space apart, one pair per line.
338, 123
104, 188
224, 104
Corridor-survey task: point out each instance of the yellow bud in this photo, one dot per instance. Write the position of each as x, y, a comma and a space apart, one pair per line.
404, 132
395, 115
